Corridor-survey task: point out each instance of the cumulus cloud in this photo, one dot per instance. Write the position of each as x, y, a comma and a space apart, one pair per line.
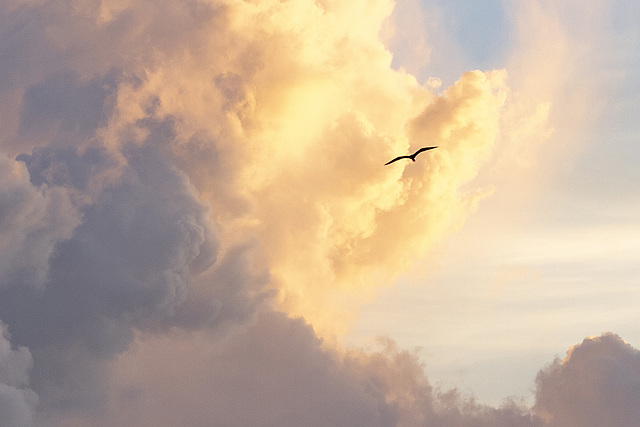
275, 371
596, 384
186, 214
267, 111
301, 136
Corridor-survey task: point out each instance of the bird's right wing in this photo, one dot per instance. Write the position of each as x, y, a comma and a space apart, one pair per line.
424, 149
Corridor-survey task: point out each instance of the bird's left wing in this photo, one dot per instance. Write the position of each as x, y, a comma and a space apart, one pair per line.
396, 159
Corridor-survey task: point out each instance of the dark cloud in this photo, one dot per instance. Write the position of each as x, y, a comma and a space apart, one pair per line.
127, 265
63, 103
17, 401
25, 55
32, 221
65, 166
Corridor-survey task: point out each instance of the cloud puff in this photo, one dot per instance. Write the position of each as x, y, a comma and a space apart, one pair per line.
32, 221
17, 401
596, 384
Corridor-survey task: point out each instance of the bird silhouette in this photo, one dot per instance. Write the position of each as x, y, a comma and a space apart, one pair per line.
412, 156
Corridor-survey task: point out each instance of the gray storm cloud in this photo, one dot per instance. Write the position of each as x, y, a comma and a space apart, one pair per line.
127, 264
185, 214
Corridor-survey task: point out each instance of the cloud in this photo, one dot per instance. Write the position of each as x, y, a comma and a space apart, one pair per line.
272, 371
75, 108
17, 401
192, 215
127, 265
275, 371
277, 114
404, 34
32, 221
596, 384
248, 135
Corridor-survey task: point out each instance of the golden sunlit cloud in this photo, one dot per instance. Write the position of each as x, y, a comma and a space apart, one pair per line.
302, 132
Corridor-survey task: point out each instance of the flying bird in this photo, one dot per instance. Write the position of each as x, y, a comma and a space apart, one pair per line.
412, 156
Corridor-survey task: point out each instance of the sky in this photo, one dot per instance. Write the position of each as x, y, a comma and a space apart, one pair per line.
554, 261
197, 226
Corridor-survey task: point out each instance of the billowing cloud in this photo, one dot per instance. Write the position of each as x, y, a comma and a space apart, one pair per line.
286, 141
32, 221
194, 203
596, 384
104, 279
275, 371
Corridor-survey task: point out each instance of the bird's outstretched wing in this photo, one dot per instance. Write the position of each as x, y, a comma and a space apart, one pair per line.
423, 149
412, 156
396, 159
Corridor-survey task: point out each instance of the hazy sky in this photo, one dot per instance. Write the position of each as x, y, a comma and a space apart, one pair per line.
197, 227
540, 265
